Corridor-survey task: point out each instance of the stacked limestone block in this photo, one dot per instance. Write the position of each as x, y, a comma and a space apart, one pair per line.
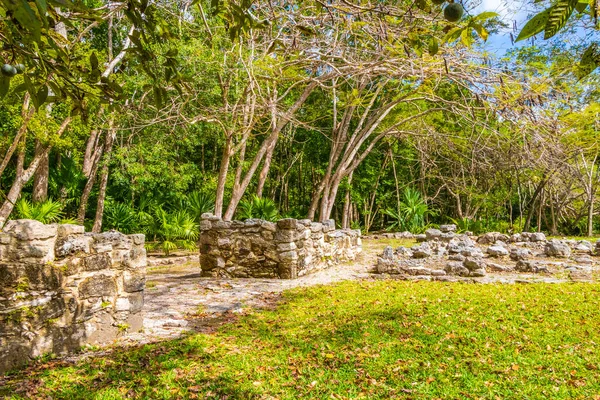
62, 288
261, 249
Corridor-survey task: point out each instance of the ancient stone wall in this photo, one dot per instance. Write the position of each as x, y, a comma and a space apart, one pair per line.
61, 288
287, 249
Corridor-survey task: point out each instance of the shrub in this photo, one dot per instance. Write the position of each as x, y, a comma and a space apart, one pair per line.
258, 208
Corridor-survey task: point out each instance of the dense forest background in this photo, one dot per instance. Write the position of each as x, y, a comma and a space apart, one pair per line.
146, 115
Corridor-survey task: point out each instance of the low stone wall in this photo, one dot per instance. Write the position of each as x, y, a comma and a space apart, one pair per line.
61, 288
260, 249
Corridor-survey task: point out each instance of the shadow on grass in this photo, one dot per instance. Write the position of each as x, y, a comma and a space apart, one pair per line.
376, 340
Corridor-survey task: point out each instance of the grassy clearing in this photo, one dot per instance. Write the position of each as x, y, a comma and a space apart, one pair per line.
375, 340
380, 244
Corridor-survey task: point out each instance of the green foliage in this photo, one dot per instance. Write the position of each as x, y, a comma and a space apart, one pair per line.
173, 230
120, 217
412, 212
375, 340
256, 207
47, 212
199, 203
554, 19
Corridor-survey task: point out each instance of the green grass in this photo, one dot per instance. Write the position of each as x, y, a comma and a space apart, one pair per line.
380, 244
375, 340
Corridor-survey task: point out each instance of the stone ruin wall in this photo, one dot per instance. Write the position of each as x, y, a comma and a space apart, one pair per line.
286, 249
61, 288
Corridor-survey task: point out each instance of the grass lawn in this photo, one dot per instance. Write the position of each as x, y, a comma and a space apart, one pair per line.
375, 340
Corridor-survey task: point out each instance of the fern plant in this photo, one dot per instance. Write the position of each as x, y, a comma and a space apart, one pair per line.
258, 207
47, 212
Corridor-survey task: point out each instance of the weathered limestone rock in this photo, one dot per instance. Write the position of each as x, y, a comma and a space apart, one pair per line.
432, 234
533, 237
448, 228
557, 248
456, 268
497, 251
422, 251
519, 254
61, 288
530, 266
492, 237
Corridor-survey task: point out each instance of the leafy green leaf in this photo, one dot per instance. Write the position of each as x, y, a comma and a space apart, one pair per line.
558, 17
485, 15
481, 31
534, 26
433, 46
589, 61
4, 85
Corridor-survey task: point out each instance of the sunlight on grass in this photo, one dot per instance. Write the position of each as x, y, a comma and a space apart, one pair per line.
379, 244
365, 340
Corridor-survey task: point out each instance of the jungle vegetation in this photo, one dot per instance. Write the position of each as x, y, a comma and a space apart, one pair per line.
140, 116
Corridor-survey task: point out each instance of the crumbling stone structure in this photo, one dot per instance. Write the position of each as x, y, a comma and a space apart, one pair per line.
286, 249
61, 288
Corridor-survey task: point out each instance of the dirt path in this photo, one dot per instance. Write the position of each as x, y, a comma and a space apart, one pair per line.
178, 299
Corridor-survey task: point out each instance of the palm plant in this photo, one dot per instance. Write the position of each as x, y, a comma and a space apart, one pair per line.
199, 203
175, 230
412, 212
121, 217
47, 212
258, 207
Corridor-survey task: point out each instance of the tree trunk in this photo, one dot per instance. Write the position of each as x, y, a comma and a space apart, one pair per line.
40, 178
590, 222
24, 175
264, 172
26, 114
224, 168
346, 217
108, 145
87, 190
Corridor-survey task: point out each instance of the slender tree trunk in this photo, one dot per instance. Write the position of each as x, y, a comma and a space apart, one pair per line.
26, 114
264, 172
225, 158
41, 176
24, 175
91, 151
346, 217
590, 219
108, 145
87, 190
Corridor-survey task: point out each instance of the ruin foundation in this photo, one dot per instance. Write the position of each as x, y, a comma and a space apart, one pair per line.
286, 249
61, 288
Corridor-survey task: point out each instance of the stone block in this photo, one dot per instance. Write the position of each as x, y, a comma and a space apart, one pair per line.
97, 262
287, 223
205, 225
285, 235
286, 246
27, 229
288, 256
138, 239
210, 217
65, 230
72, 244
328, 225
133, 303
97, 286
316, 227
133, 282
222, 225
